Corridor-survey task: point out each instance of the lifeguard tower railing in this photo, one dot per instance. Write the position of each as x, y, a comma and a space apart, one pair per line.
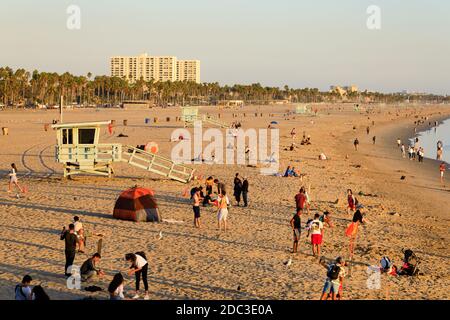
190, 114
101, 153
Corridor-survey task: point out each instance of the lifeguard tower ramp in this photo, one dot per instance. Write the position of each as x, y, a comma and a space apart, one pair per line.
303, 110
79, 150
190, 114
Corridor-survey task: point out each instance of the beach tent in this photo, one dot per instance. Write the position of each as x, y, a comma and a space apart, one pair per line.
137, 204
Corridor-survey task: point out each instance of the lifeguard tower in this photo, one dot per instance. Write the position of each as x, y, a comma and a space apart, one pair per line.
79, 150
190, 114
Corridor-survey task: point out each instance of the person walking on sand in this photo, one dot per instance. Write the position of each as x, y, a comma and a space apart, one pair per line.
442, 169
245, 192
352, 229
335, 279
356, 144
399, 142
374, 138
351, 200
402, 148
293, 134
316, 227
296, 225
71, 240
222, 214
139, 267
13, 179
237, 189
196, 207
300, 200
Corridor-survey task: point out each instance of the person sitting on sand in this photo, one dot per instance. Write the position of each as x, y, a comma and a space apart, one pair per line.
13, 179
89, 269
316, 227
294, 173
287, 172
296, 224
335, 279
38, 294
139, 266
115, 288
23, 289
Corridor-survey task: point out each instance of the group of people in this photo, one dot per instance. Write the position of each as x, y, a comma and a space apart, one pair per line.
218, 199
315, 230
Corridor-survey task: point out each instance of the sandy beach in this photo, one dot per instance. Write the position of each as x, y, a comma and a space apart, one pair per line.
246, 262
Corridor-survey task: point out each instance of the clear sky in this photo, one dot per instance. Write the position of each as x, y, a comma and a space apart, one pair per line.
300, 43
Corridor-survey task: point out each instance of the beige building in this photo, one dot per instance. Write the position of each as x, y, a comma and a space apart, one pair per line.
162, 68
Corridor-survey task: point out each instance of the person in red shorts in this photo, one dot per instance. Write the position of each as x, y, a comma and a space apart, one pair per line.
316, 227
442, 170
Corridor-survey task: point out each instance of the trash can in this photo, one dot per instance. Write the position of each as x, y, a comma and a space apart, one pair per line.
5, 131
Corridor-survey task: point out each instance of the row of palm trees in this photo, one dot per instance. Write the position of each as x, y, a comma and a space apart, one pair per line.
22, 88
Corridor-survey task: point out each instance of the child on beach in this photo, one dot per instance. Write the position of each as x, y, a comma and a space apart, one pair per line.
316, 227
296, 224
139, 266
115, 288
335, 279
79, 232
13, 179
23, 290
351, 200
442, 169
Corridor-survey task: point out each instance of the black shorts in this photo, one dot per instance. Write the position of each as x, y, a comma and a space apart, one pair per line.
196, 212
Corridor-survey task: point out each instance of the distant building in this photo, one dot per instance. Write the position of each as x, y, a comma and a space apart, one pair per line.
158, 68
344, 90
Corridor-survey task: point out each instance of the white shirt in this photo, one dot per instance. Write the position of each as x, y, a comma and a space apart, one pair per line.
119, 291
78, 226
12, 173
316, 227
140, 262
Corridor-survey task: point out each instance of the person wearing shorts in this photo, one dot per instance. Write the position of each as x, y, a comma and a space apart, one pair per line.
196, 207
222, 214
296, 224
13, 179
316, 227
442, 170
333, 287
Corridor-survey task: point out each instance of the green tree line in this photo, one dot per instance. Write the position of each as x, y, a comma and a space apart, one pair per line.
21, 88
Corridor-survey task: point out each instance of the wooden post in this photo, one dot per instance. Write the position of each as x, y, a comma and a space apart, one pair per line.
61, 103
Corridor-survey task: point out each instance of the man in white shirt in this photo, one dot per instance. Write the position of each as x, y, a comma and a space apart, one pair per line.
316, 227
79, 231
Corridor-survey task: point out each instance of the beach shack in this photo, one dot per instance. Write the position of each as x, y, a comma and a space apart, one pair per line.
78, 148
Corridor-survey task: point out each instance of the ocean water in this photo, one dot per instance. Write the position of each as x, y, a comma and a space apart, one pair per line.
428, 140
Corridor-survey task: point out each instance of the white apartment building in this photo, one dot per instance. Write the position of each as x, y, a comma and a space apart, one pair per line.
158, 68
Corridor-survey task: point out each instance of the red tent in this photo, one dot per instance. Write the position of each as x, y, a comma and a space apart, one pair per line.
137, 204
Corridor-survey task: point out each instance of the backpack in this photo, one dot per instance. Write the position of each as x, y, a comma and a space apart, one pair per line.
333, 272
386, 263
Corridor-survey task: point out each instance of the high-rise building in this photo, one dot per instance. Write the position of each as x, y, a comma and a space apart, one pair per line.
158, 68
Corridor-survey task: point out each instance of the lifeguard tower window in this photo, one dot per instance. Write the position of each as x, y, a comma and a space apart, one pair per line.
67, 136
86, 136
